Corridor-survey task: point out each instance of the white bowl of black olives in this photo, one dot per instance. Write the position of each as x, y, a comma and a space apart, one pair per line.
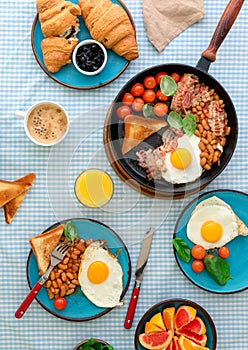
89, 57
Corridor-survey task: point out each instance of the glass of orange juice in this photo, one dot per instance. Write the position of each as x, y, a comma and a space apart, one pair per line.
94, 188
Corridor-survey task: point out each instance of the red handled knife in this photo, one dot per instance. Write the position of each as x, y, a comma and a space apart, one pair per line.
139, 274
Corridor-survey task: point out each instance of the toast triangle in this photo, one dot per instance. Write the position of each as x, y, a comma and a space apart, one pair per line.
11, 207
43, 245
137, 129
10, 190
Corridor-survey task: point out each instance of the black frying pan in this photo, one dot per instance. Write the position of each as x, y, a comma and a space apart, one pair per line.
127, 167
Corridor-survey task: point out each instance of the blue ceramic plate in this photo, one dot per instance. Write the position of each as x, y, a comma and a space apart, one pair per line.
68, 75
238, 247
79, 308
202, 313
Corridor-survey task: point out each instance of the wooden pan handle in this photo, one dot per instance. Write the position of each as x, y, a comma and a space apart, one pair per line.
225, 23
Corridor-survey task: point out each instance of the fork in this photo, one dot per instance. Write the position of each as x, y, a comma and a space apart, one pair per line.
57, 255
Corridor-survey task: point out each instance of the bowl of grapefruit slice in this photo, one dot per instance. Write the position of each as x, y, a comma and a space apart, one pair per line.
176, 324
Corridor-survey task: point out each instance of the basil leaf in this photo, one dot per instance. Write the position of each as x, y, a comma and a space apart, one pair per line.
175, 120
70, 231
182, 249
189, 124
168, 86
218, 268
148, 111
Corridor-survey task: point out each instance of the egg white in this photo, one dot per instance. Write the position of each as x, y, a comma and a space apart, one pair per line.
106, 294
193, 171
212, 209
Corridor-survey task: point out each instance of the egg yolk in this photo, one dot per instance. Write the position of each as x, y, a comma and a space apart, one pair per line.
181, 158
211, 231
97, 272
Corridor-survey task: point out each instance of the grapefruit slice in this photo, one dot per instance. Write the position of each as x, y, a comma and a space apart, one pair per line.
200, 339
158, 321
155, 341
186, 344
175, 344
168, 317
151, 328
184, 315
169, 347
196, 326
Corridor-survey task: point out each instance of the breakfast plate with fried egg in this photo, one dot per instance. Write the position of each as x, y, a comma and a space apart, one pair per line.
213, 220
103, 275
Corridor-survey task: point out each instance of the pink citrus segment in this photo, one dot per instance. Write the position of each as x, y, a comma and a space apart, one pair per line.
184, 315
175, 343
168, 317
186, 344
155, 341
157, 319
196, 326
151, 328
169, 347
200, 339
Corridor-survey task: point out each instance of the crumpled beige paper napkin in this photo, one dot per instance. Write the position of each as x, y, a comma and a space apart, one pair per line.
165, 19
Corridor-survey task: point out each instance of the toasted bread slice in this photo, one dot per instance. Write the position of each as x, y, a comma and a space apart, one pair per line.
43, 245
10, 190
137, 129
11, 207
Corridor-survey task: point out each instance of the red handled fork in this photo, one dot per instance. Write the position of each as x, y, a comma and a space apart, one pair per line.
57, 255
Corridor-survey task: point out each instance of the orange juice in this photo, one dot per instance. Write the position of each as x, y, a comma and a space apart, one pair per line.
94, 188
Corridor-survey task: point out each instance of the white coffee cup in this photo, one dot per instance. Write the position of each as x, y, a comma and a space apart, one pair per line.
42, 115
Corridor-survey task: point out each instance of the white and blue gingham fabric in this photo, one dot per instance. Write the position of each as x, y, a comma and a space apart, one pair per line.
24, 83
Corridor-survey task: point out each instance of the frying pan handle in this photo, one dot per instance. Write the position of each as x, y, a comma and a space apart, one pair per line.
227, 19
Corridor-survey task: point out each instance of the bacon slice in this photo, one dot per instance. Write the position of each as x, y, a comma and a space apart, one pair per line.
217, 119
153, 161
183, 96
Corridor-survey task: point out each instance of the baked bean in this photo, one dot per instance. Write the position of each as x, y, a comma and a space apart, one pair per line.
228, 129
202, 146
205, 141
62, 266
207, 167
66, 260
205, 124
54, 284
50, 294
63, 276
52, 275
70, 291
62, 290
210, 149
203, 161
69, 275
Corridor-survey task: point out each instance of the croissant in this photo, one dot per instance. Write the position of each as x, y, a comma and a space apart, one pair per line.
57, 52
110, 24
58, 17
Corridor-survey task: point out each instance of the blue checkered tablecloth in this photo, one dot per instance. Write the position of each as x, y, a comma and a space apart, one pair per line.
24, 83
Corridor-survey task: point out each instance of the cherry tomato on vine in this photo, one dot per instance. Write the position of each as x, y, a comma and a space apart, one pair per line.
197, 266
149, 96
137, 90
160, 96
138, 104
127, 99
198, 252
59, 303
150, 82
160, 109
224, 252
159, 77
123, 111
176, 76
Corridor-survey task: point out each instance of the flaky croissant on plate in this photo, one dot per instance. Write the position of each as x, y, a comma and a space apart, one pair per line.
59, 25
57, 52
110, 24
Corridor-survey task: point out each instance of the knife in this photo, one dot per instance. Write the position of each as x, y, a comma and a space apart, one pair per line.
139, 274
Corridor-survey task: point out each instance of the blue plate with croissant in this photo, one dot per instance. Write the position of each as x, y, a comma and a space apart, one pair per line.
57, 30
